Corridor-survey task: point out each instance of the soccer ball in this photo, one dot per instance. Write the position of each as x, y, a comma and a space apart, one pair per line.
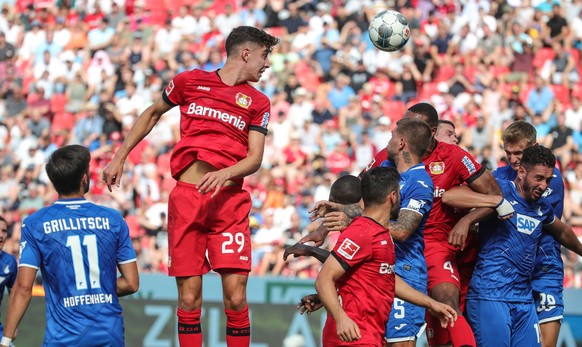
389, 31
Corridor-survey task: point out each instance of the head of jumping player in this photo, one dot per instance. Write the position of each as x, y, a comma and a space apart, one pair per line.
249, 49
426, 112
535, 172
446, 132
346, 190
68, 170
516, 138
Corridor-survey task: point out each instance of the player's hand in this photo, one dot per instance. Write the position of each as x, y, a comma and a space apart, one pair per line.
336, 221
317, 236
112, 173
213, 180
309, 304
298, 250
445, 313
458, 235
504, 209
322, 208
347, 329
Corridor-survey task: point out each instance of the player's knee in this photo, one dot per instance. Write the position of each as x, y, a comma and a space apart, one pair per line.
235, 301
189, 301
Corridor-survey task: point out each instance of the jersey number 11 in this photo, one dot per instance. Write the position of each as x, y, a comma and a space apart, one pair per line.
89, 241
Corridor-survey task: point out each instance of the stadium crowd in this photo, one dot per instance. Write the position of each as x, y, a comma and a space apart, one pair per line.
82, 71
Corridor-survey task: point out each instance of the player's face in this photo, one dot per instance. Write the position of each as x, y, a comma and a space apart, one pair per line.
514, 152
535, 181
257, 62
446, 133
392, 147
3, 233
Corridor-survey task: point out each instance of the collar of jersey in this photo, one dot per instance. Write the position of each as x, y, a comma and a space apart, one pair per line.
416, 167
71, 201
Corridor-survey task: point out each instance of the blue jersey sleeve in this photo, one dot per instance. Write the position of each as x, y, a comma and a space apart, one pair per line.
29, 252
555, 193
419, 196
13, 273
125, 251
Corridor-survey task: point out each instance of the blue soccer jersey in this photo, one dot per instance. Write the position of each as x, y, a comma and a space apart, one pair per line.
508, 247
548, 275
416, 194
77, 245
8, 273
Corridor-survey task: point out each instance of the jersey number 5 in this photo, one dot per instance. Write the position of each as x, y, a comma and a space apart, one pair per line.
89, 241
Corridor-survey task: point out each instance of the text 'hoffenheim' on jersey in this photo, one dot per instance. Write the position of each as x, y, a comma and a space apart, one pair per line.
508, 249
416, 194
77, 245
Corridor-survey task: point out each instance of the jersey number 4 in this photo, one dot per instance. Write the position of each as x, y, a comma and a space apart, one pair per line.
89, 241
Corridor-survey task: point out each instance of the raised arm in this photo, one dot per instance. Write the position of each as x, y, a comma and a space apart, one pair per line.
463, 197
143, 125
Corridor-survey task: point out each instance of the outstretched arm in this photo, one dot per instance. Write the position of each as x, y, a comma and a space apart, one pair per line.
464, 197
564, 235
300, 249
446, 314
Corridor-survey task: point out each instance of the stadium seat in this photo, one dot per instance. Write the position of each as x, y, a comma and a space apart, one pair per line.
58, 103
444, 73
543, 55
394, 110
428, 89
561, 93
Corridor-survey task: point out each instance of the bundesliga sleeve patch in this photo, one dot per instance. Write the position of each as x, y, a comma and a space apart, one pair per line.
469, 165
348, 249
170, 87
415, 205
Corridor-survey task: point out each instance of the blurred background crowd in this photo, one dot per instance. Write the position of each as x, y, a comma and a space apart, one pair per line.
81, 71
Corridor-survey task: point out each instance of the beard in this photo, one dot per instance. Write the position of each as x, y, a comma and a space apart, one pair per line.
530, 192
395, 211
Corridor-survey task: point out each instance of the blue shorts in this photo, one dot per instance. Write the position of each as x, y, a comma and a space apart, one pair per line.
549, 304
406, 322
499, 323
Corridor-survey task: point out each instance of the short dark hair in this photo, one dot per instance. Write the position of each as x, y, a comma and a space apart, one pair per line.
519, 131
66, 168
448, 122
2, 219
377, 183
244, 34
346, 190
417, 132
427, 110
538, 155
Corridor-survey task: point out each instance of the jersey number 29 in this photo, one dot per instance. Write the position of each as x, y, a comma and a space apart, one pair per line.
89, 241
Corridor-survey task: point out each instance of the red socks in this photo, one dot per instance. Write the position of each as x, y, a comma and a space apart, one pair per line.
238, 328
189, 329
461, 333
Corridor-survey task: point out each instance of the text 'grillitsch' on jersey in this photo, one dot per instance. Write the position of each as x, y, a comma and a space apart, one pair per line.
199, 110
66, 224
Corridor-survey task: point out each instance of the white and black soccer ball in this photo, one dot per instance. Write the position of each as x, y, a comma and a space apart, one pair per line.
389, 31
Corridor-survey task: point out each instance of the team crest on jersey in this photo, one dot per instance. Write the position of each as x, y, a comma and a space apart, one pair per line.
348, 249
437, 167
6, 269
243, 100
22, 246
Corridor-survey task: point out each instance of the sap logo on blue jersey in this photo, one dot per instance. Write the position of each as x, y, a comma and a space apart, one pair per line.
469, 165
526, 224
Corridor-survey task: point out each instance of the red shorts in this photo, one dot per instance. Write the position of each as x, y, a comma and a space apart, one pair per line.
448, 264
205, 233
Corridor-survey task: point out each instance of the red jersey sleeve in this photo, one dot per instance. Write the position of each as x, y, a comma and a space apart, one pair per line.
260, 120
378, 159
352, 247
464, 163
173, 94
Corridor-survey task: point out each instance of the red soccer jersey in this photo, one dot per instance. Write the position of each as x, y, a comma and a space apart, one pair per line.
215, 119
449, 166
378, 159
366, 251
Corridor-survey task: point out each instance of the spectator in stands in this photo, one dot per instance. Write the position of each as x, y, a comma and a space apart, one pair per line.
560, 140
540, 97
